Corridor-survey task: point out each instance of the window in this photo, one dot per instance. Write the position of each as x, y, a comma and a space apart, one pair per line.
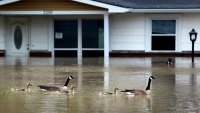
163, 36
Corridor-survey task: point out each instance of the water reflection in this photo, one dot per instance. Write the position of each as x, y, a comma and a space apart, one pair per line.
175, 89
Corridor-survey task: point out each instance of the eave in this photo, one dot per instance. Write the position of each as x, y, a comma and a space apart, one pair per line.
111, 8
3, 2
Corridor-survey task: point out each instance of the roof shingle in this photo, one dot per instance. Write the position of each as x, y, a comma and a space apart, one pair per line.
154, 4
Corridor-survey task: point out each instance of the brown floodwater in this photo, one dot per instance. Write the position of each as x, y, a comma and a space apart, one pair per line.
175, 89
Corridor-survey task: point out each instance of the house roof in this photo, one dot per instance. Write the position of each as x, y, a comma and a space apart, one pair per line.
154, 4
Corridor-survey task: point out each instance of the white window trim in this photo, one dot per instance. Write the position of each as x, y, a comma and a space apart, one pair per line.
150, 17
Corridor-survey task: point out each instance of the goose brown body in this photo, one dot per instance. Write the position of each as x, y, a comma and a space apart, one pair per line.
138, 91
56, 88
50, 87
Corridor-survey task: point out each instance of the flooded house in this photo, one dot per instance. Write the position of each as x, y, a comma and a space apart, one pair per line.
73, 29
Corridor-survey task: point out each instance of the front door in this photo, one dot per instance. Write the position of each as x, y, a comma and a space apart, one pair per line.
17, 40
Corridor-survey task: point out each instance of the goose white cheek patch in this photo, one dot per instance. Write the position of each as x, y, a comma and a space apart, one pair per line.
151, 78
70, 77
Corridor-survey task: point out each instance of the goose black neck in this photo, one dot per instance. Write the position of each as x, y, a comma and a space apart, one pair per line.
67, 82
149, 85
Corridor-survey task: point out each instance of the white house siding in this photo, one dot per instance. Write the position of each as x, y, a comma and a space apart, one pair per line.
39, 33
190, 21
2, 42
127, 32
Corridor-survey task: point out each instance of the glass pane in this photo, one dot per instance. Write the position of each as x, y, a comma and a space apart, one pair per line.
163, 26
93, 34
18, 37
66, 34
163, 43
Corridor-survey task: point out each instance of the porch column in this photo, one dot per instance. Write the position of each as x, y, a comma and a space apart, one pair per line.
106, 39
79, 41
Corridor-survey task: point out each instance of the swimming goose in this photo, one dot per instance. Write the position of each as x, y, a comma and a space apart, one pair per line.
109, 93
140, 92
56, 88
169, 61
24, 89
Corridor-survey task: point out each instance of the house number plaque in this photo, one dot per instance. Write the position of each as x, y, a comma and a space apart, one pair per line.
47, 12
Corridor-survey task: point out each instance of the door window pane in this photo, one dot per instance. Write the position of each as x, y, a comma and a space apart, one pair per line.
66, 34
93, 34
18, 37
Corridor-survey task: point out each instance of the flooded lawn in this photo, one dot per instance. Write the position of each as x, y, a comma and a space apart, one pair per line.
175, 89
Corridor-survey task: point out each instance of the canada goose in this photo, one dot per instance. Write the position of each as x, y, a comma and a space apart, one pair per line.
24, 89
56, 88
109, 93
169, 61
140, 92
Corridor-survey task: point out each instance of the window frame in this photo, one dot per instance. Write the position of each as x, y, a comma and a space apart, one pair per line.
178, 40
163, 35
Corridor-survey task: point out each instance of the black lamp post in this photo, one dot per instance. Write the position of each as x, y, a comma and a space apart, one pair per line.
193, 37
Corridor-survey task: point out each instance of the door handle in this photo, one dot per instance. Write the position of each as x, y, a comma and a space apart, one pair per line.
27, 46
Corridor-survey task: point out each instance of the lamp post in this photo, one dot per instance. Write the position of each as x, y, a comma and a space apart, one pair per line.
193, 37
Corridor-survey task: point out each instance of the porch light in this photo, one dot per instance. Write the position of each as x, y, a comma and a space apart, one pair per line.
193, 37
